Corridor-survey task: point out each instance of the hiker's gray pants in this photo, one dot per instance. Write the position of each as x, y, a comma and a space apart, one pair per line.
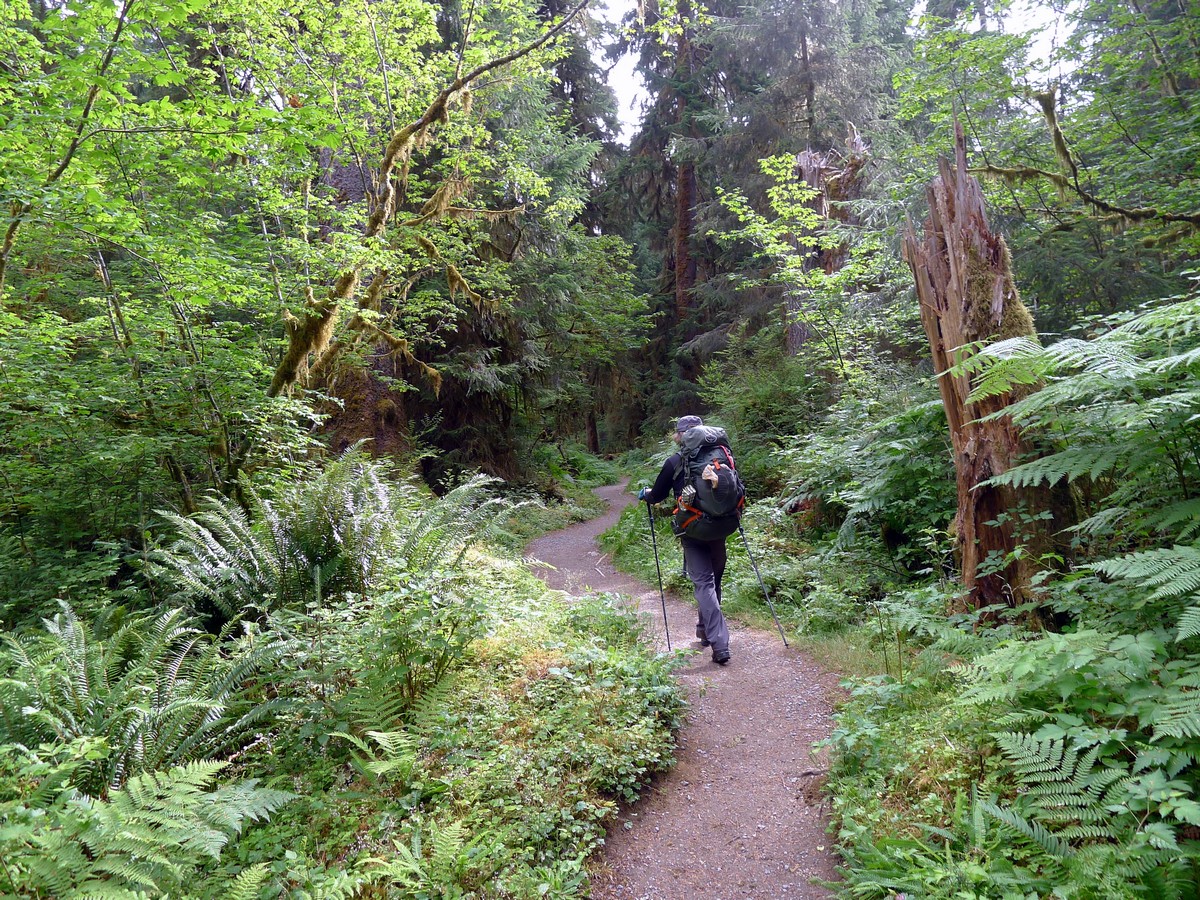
705, 565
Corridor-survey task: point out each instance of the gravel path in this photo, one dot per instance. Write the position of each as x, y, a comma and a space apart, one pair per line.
741, 814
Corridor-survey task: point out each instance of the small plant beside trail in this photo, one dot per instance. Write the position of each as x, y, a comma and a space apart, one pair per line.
999, 760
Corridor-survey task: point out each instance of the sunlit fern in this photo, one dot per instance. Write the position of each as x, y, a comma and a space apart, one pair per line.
442, 532
332, 532
338, 531
158, 690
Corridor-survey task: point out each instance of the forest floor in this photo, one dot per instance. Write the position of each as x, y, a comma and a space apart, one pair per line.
742, 813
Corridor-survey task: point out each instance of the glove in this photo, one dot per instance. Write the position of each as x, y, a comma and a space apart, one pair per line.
643, 493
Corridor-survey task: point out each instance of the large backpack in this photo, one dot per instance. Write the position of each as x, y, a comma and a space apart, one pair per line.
715, 511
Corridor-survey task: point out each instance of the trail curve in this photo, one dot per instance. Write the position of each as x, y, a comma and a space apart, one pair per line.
741, 814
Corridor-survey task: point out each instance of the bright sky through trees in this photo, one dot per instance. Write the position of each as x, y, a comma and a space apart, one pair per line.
622, 76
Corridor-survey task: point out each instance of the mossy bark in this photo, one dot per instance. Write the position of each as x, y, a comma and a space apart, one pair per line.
309, 336
964, 283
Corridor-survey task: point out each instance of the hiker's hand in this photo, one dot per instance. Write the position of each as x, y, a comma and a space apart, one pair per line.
643, 492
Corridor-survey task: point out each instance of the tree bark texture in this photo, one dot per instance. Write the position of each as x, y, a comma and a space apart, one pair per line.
838, 178
964, 283
685, 262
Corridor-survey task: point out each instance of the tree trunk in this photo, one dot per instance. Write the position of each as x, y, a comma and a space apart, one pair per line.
593, 432
685, 177
838, 178
685, 263
965, 287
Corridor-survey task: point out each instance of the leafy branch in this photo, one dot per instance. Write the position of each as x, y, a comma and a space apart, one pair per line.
312, 333
19, 209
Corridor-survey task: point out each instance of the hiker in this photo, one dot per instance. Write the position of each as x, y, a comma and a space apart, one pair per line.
703, 550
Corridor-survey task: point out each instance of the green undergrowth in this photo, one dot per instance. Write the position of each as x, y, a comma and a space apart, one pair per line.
348, 695
497, 782
563, 496
509, 770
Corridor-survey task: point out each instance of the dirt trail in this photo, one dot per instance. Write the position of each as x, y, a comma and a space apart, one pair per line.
741, 814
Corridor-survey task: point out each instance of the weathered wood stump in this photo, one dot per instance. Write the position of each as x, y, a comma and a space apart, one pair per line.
964, 282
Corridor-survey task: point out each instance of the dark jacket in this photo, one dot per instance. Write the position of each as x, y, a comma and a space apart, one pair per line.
670, 478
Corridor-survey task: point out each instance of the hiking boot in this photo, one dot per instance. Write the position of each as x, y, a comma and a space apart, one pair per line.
720, 657
702, 636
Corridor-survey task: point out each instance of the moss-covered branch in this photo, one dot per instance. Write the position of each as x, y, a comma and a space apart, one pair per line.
1070, 182
312, 333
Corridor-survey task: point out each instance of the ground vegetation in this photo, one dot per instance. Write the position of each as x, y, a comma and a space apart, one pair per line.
312, 314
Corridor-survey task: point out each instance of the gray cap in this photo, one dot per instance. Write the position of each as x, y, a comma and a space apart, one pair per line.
686, 423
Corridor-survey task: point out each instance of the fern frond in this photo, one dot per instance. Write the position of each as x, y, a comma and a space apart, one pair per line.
158, 691
143, 840
1070, 464
248, 883
998, 368
1172, 515
1177, 713
1032, 830
1169, 573
1188, 625
442, 534
1103, 522
425, 715
330, 533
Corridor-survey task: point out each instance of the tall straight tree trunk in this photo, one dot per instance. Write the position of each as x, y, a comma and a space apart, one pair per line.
685, 263
964, 283
685, 178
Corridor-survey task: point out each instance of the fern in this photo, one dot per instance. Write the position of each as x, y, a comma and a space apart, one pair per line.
440, 861
1168, 573
248, 883
1176, 712
1000, 367
1122, 409
1031, 829
339, 531
1189, 624
382, 755
1105, 521
1070, 464
1183, 515
1061, 784
158, 691
442, 533
147, 839
330, 533
1078, 812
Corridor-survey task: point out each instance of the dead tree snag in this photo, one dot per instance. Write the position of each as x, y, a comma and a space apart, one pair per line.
964, 283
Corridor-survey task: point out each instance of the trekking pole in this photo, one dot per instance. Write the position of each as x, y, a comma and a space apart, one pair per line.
761, 585
658, 565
